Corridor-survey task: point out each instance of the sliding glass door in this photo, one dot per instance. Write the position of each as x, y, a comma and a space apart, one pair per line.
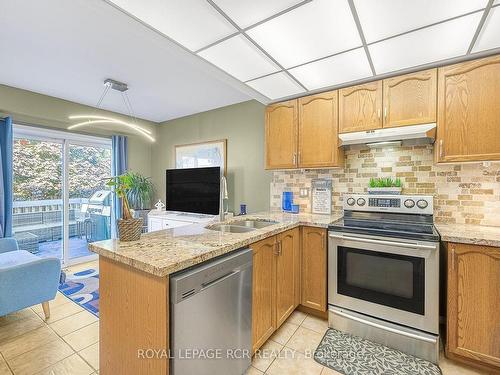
61, 202
88, 167
38, 196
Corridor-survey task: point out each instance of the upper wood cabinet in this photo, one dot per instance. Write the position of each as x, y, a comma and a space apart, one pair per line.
473, 319
318, 131
360, 107
281, 135
314, 266
410, 99
469, 111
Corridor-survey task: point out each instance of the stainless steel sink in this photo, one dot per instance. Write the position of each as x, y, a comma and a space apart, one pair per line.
257, 224
227, 228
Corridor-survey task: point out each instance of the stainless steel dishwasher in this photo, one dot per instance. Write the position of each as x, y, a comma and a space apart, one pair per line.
211, 316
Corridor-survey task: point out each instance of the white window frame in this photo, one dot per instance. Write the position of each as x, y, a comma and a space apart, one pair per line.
66, 139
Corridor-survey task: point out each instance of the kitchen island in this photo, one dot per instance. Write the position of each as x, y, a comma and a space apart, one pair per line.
134, 285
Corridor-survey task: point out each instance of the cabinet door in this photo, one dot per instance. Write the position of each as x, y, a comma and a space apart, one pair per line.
469, 111
410, 99
473, 329
286, 274
318, 131
314, 268
360, 107
154, 224
281, 135
263, 292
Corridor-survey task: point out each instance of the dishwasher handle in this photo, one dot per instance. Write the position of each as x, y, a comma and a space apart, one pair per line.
218, 280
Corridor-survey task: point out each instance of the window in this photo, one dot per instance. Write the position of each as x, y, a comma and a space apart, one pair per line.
55, 174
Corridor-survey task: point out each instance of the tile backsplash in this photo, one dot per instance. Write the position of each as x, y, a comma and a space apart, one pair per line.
463, 193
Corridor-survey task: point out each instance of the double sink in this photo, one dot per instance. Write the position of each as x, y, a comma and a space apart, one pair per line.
242, 226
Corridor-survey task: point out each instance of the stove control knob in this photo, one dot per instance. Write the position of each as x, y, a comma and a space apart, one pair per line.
361, 201
422, 204
351, 201
409, 203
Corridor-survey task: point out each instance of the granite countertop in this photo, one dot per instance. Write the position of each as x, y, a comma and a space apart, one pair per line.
166, 251
469, 234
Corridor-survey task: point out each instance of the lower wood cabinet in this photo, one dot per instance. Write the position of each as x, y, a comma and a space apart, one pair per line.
263, 291
473, 308
314, 268
276, 262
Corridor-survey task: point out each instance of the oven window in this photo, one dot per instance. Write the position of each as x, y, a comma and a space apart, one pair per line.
388, 279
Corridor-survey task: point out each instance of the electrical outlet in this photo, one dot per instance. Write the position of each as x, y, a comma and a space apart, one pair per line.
304, 192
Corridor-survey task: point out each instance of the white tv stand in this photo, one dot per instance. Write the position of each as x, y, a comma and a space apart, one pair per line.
158, 220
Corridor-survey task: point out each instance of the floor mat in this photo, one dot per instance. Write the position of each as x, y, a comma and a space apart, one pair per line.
83, 288
352, 355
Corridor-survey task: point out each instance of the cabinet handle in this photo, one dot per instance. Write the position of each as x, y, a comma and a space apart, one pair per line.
280, 248
453, 257
441, 149
276, 248
378, 113
385, 113
294, 159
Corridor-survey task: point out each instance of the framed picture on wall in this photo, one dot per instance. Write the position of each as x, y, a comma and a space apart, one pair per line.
202, 154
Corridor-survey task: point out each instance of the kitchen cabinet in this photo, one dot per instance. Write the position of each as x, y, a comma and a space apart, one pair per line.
410, 99
275, 280
360, 107
263, 292
318, 131
287, 261
314, 268
473, 320
281, 135
468, 127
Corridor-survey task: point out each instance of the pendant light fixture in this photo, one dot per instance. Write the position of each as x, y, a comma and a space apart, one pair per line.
97, 119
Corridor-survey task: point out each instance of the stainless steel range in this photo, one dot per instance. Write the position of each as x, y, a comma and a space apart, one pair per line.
383, 272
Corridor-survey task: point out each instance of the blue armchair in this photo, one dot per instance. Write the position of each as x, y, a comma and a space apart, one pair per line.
25, 279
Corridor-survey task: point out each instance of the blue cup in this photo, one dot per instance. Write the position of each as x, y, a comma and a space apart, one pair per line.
243, 209
287, 201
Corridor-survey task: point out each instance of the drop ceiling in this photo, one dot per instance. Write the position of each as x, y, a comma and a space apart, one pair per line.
189, 56
285, 48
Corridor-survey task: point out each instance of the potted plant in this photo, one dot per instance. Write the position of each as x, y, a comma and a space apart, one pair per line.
129, 228
140, 195
385, 186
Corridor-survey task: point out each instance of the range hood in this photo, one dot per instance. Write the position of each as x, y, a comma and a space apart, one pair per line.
427, 131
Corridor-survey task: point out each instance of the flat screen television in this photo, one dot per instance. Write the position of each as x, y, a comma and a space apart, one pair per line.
194, 190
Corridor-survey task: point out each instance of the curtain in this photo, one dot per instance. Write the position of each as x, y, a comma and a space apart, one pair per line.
119, 165
6, 177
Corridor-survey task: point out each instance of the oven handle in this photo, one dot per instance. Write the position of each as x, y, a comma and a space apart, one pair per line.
382, 242
376, 325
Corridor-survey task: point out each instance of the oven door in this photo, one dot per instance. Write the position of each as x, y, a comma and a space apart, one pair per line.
391, 279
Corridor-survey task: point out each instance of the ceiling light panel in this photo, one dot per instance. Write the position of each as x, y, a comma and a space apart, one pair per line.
192, 23
342, 68
432, 44
248, 12
490, 34
240, 58
311, 31
276, 86
384, 18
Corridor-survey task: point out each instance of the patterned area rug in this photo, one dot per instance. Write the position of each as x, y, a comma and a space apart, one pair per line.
352, 355
83, 288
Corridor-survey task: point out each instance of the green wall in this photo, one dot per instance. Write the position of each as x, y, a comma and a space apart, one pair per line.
46, 111
243, 126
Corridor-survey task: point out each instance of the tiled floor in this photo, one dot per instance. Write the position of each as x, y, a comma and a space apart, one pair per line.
289, 351
68, 343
